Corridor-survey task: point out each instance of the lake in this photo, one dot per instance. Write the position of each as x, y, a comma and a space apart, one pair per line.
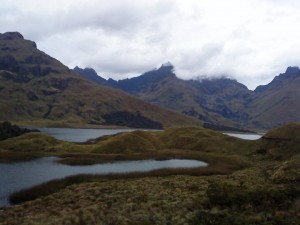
19, 175
246, 136
80, 135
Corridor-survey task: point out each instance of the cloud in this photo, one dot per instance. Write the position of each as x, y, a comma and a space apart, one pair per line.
251, 41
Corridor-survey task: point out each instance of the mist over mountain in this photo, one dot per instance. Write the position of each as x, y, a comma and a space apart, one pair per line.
35, 87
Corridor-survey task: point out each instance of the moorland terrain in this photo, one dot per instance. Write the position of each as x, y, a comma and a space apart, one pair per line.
246, 182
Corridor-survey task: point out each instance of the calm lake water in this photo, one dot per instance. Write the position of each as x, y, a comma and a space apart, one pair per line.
80, 135
245, 136
20, 175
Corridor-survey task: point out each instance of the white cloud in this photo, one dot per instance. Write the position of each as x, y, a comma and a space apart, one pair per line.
249, 40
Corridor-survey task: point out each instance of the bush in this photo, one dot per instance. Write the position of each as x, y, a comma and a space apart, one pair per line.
235, 205
7, 130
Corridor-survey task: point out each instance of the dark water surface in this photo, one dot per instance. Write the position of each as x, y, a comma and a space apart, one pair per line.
19, 175
80, 135
245, 136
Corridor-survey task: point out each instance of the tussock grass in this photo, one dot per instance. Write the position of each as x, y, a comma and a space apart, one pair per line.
30, 142
288, 171
232, 204
7, 157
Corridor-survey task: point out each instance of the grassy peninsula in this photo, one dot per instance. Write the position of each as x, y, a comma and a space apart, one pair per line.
246, 182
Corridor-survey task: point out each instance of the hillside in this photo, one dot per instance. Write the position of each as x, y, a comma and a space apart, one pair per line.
35, 87
219, 101
278, 102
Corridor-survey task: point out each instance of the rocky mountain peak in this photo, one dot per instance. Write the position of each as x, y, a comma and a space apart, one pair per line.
167, 67
90, 74
291, 73
292, 70
11, 36
86, 70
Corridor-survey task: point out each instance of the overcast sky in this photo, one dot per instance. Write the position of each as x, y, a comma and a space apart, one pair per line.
249, 40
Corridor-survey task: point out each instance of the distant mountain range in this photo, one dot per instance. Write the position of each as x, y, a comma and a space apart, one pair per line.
218, 101
36, 87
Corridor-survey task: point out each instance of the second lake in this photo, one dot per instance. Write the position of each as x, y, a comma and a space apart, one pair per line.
19, 175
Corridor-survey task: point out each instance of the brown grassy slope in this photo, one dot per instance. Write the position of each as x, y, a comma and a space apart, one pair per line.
34, 86
281, 143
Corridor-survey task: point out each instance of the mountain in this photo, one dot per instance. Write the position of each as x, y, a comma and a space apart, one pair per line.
278, 102
90, 74
219, 101
216, 101
35, 87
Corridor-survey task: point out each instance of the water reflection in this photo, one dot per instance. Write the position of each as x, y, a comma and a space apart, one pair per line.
20, 175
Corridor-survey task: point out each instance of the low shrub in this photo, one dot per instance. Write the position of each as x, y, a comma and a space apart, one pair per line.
237, 205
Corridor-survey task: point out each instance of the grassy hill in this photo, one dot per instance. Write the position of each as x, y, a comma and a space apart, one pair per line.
37, 88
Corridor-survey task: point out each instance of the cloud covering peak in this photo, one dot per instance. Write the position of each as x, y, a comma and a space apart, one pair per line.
251, 41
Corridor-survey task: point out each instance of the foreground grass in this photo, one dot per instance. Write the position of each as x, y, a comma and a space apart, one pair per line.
257, 182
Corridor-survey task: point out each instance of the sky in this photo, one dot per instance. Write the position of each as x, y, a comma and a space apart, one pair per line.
248, 40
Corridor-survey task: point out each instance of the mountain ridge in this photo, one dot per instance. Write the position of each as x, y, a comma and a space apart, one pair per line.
34, 86
220, 100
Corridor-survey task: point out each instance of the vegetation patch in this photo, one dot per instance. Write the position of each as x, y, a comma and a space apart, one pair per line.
230, 204
7, 157
7, 130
